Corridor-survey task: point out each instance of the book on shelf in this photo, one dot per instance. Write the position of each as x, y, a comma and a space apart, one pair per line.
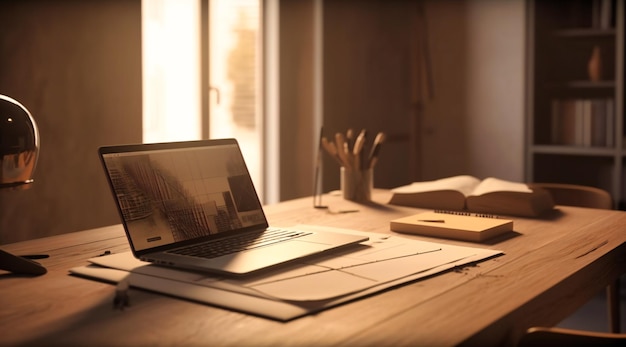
593, 14
602, 14
583, 122
468, 193
453, 225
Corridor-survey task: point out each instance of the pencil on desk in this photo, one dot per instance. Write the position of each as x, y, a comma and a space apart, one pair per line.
350, 140
356, 151
332, 150
340, 143
359, 155
373, 157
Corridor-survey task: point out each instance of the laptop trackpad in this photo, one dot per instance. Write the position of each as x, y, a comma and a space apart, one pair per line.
267, 256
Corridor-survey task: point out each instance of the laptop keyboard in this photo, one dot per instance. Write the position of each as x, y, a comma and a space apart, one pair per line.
218, 248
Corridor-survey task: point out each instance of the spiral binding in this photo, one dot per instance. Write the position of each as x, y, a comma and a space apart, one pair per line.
469, 214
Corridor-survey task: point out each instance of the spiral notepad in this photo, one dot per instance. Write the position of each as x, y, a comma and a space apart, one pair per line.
454, 225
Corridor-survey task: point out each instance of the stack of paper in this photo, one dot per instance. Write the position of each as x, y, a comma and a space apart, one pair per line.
301, 288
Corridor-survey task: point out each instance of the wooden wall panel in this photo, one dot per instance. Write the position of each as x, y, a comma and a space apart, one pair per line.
76, 65
367, 80
296, 98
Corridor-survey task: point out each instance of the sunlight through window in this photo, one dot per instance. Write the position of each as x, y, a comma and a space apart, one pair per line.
171, 65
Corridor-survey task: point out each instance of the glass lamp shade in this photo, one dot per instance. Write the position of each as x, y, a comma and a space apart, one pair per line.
19, 148
19, 144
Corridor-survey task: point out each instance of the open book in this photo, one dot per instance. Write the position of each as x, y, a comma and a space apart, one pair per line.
468, 193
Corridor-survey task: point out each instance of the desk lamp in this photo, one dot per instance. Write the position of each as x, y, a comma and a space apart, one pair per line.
19, 148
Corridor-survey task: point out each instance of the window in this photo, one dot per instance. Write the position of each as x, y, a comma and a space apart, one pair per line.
172, 77
171, 62
235, 79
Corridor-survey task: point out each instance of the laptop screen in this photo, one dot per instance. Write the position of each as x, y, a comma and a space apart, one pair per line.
169, 193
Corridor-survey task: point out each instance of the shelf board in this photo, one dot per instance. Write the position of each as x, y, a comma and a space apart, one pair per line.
585, 32
590, 84
582, 86
573, 150
561, 38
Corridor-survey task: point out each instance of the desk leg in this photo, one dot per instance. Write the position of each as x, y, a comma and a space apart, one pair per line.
613, 303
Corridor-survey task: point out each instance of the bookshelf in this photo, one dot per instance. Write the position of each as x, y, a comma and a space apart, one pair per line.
575, 94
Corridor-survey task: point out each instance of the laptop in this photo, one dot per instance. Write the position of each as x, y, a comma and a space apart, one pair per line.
193, 205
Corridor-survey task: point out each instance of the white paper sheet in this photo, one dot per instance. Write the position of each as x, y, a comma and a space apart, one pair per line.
383, 261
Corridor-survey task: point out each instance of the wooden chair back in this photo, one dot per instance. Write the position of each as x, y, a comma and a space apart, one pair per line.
577, 195
592, 197
538, 337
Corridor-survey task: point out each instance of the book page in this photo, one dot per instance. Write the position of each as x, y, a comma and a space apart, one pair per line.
490, 185
464, 184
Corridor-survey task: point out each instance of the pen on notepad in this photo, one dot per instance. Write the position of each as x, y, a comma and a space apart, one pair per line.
432, 220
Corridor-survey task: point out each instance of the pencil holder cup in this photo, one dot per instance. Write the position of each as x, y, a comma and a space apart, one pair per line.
357, 185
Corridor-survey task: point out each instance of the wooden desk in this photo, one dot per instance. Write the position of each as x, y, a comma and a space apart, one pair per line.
550, 268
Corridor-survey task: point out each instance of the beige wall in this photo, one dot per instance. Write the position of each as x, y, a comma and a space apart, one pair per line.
368, 81
296, 78
76, 65
475, 123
